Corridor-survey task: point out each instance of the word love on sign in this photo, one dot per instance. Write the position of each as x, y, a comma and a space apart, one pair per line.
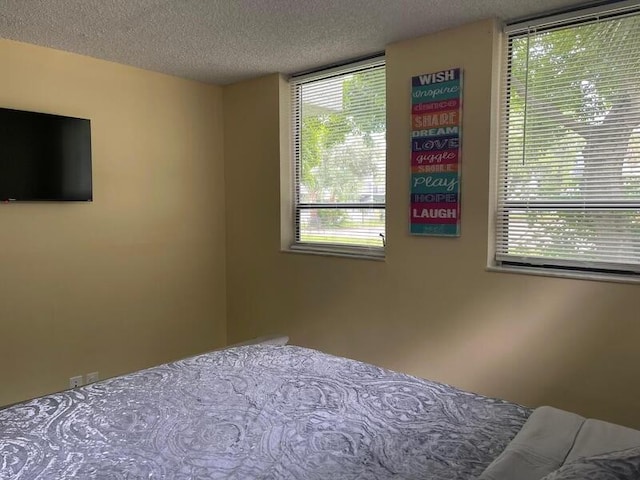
436, 121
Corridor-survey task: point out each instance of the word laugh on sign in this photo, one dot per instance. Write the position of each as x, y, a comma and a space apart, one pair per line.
436, 118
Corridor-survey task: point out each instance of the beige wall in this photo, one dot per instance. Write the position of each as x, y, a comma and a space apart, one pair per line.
431, 309
137, 277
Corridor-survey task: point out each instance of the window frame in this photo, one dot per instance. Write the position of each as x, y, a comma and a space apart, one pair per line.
295, 83
501, 206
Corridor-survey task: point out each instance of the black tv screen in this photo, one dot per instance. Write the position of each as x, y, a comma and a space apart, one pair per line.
44, 157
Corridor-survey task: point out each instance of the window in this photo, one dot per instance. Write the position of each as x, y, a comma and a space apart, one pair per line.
568, 189
339, 154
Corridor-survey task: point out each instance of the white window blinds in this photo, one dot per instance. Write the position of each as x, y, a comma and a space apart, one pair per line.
339, 150
569, 163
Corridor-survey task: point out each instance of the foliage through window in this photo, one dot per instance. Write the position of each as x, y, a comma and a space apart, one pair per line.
569, 164
339, 131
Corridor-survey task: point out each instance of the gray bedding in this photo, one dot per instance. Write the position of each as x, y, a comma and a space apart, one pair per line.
257, 412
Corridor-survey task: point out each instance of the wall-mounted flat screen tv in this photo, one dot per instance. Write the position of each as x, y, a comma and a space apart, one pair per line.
44, 157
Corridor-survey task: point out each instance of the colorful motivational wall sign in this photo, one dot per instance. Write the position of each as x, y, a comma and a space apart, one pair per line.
436, 122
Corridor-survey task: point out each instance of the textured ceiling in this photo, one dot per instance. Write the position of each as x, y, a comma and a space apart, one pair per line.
223, 41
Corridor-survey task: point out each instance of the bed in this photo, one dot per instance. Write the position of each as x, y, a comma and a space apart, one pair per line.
261, 412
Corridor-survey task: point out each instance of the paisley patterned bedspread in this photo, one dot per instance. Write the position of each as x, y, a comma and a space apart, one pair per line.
257, 412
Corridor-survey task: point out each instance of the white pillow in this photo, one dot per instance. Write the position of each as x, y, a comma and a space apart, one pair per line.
621, 465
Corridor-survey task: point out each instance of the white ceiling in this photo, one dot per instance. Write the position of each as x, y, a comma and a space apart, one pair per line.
223, 41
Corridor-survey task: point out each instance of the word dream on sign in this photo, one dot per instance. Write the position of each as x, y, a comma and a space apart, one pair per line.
436, 121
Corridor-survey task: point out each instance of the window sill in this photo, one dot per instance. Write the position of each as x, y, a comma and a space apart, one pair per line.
376, 254
576, 275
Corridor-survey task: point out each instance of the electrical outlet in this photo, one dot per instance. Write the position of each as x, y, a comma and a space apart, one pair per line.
92, 377
75, 382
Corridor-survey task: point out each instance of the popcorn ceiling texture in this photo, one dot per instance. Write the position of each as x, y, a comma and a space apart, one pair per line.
224, 41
